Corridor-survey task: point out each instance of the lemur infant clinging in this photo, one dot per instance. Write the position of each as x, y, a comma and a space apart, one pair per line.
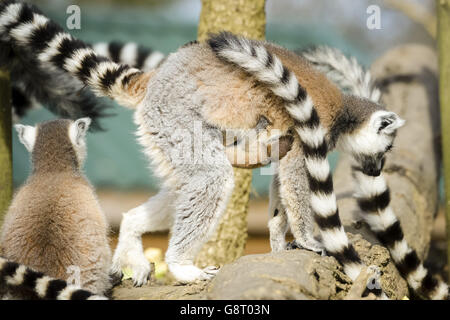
227, 83
55, 224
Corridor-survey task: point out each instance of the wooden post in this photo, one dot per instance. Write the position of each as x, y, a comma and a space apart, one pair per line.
5, 144
443, 37
245, 17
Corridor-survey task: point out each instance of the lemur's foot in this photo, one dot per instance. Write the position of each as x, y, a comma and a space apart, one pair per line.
135, 260
188, 273
278, 245
311, 245
115, 278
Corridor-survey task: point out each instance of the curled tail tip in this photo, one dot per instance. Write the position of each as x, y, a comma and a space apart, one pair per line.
222, 40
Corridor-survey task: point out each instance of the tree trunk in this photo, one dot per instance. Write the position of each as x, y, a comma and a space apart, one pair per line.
245, 17
443, 8
5, 144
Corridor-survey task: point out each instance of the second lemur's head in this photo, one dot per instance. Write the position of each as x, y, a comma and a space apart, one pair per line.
56, 145
367, 132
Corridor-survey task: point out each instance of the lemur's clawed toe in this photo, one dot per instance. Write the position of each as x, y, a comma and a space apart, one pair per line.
189, 273
311, 246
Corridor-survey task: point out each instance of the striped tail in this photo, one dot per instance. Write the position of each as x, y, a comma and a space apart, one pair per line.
19, 277
27, 29
344, 71
23, 100
34, 85
373, 197
254, 58
130, 53
372, 193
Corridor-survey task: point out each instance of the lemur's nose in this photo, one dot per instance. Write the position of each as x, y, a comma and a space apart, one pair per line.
372, 171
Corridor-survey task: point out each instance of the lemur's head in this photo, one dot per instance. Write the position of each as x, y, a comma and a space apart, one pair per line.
57, 144
368, 132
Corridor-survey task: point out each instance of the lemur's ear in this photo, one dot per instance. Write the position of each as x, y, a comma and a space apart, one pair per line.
78, 130
27, 135
387, 122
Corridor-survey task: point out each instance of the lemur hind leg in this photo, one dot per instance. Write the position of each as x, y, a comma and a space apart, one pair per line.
295, 197
154, 215
278, 224
202, 198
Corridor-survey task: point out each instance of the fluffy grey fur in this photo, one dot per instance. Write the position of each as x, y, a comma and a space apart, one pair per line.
290, 202
200, 190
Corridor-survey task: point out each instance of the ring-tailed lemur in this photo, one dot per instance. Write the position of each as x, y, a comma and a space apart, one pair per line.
23, 89
20, 280
55, 224
372, 193
194, 87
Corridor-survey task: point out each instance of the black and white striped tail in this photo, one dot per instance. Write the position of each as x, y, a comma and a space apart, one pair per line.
344, 71
21, 102
17, 276
373, 197
130, 53
254, 58
25, 27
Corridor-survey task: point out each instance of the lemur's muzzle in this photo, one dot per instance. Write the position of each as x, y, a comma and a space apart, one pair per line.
371, 171
373, 167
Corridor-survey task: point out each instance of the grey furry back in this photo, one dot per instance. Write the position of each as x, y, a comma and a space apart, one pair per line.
61, 93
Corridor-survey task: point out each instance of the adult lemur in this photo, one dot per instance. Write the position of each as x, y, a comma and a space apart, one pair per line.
228, 82
372, 193
55, 224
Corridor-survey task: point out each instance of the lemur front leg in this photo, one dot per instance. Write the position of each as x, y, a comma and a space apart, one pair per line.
154, 215
278, 224
295, 197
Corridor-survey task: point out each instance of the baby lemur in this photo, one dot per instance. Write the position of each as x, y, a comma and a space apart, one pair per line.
55, 224
182, 108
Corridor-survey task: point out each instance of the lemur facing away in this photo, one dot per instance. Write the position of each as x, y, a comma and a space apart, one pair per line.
55, 224
28, 94
229, 82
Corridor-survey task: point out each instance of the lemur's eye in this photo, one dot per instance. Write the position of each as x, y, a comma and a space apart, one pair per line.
389, 148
